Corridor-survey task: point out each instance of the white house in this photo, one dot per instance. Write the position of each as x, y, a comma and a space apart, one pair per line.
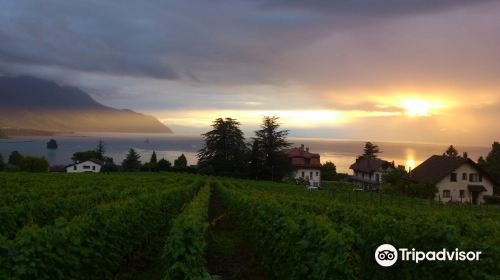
368, 172
457, 179
306, 165
92, 165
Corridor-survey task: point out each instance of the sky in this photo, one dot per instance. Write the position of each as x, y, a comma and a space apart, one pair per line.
387, 70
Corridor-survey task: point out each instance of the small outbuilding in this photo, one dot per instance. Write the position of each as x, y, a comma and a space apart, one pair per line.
91, 165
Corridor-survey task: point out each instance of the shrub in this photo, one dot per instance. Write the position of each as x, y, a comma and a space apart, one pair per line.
492, 199
34, 164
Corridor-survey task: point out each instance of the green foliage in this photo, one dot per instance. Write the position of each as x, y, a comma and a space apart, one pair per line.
180, 162
164, 165
84, 156
420, 190
395, 177
328, 171
186, 245
100, 150
131, 163
52, 144
86, 226
370, 150
492, 199
15, 158
34, 164
335, 239
492, 162
395, 182
109, 166
2, 163
451, 152
225, 150
95, 240
153, 159
266, 150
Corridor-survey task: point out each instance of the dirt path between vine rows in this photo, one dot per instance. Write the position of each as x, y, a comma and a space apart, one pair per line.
228, 257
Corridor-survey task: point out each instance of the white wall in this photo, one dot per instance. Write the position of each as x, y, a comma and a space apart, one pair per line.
86, 166
373, 179
306, 174
460, 184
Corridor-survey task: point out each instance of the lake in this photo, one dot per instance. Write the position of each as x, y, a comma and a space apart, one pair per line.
342, 152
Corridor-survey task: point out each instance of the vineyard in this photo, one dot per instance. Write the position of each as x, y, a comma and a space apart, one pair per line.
84, 226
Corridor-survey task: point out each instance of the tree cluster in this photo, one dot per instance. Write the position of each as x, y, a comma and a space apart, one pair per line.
52, 144
492, 164
18, 162
396, 182
132, 161
226, 153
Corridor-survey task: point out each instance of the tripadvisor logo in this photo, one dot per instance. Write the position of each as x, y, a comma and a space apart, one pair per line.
387, 255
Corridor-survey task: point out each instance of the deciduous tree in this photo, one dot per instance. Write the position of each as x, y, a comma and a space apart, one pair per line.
164, 165
15, 158
34, 164
328, 171
180, 162
52, 144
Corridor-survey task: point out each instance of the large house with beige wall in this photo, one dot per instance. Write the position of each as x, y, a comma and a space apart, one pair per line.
456, 178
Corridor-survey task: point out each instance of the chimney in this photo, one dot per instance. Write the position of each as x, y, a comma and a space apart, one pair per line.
301, 147
466, 155
307, 149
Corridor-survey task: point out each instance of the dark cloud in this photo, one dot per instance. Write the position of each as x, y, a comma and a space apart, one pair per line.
368, 7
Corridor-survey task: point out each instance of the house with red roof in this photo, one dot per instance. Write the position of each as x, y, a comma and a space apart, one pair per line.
306, 165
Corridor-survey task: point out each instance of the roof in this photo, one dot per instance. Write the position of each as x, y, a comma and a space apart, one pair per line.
476, 188
369, 165
96, 161
299, 152
435, 168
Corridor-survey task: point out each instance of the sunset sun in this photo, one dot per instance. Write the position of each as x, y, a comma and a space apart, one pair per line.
415, 107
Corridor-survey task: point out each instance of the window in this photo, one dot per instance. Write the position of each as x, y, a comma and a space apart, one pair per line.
474, 177
446, 193
462, 193
464, 176
453, 177
302, 174
317, 173
377, 178
93, 167
86, 167
310, 174
74, 167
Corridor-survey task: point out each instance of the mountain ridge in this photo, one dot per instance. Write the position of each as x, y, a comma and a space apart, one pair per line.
32, 103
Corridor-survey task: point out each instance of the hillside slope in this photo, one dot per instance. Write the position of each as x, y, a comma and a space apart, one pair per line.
32, 103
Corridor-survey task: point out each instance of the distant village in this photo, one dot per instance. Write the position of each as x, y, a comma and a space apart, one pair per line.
448, 178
